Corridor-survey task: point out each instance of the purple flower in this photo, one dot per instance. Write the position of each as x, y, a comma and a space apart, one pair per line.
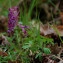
13, 18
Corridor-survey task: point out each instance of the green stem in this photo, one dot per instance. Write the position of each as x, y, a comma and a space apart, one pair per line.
10, 3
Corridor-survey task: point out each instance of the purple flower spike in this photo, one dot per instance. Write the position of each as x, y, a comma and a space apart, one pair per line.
13, 18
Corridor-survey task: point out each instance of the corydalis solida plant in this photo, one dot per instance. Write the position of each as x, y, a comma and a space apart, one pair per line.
13, 18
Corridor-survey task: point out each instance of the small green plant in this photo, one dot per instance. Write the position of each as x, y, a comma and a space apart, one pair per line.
21, 44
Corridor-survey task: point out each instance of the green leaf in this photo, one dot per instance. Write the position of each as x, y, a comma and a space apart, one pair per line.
46, 50
38, 55
25, 46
